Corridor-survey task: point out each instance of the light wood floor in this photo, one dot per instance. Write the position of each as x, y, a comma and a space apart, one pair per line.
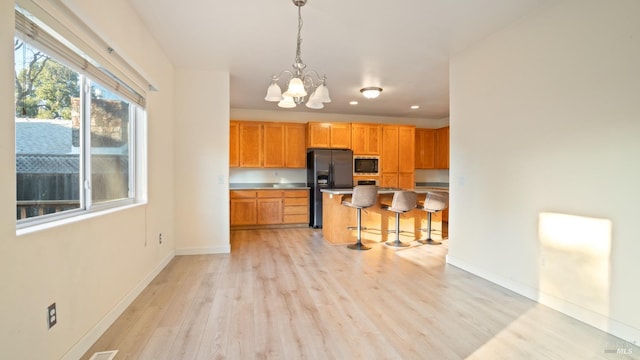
288, 294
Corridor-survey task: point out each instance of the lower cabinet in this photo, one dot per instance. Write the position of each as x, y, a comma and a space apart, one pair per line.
269, 207
243, 207
296, 207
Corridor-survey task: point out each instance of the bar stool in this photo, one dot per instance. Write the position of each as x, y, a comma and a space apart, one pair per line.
364, 196
433, 202
403, 201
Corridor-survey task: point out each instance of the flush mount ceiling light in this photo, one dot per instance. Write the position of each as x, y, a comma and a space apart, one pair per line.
300, 82
371, 92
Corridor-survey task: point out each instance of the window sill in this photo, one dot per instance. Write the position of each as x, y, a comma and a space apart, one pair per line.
73, 219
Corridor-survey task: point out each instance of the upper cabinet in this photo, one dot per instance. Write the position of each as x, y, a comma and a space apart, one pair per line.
442, 148
267, 144
329, 135
425, 154
234, 145
432, 148
273, 151
366, 139
295, 145
250, 144
397, 156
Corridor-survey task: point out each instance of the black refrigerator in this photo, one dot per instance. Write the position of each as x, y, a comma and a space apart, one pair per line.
326, 169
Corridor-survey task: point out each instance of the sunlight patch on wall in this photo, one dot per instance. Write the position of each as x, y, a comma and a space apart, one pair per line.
574, 260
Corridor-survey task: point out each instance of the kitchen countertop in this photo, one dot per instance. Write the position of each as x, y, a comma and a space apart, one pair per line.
264, 186
383, 190
421, 187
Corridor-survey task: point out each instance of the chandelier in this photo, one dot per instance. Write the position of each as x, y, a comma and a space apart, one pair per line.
301, 82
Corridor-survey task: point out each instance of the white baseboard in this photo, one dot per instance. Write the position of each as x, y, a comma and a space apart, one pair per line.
599, 321
204, 251
94, 334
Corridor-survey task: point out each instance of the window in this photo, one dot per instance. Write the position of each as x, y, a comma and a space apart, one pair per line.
76, 128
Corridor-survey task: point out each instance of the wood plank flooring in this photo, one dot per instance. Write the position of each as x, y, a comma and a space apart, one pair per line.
289, 294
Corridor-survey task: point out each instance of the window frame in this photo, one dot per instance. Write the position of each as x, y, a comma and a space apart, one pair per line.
136, 134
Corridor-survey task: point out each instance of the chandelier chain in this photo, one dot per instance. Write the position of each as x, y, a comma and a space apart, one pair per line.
299, 65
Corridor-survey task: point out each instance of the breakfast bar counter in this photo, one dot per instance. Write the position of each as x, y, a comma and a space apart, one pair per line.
337, 217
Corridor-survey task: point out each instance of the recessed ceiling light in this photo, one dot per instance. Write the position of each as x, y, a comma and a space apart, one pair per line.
414, 107
353, 103
371, 92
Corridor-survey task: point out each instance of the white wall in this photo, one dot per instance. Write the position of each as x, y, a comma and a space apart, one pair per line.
90, 268
544, 145
202, 162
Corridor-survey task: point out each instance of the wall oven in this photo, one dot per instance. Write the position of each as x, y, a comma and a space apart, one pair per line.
365, 165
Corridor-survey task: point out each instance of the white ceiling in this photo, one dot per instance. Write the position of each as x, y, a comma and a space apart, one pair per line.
402, 46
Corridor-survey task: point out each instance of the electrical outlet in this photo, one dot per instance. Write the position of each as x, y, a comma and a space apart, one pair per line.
52, 315
160, 238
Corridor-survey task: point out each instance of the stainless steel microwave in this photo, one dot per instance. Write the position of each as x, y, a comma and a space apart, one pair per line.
365, 165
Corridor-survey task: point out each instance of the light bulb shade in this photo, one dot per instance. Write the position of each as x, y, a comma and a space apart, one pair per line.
287, 102
274, 93
296, 88
313, 102
371, 92
322, 94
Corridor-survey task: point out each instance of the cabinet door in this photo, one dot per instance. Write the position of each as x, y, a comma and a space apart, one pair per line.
274, 144
319, 135
243, 212
389, 180
442, 148
389, 155
250, 136
374, 139
359, 139
340, 136
234, 156
366, 139
406, 149
269, 211
425, 148
406, 181
295, 146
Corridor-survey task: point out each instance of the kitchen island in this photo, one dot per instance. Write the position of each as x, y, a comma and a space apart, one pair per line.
337, 217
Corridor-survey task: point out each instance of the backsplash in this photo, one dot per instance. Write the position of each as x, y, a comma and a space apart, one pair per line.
432, 176
283, 176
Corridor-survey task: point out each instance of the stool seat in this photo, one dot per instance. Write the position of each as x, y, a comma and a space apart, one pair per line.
403, 201
434, 201
364, 196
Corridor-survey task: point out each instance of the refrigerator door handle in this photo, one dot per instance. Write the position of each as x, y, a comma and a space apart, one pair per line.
331, 175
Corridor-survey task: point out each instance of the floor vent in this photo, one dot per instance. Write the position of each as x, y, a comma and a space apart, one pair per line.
104, 355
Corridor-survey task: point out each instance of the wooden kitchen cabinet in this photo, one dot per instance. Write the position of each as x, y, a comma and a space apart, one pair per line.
250, 144
425, 150
329, 135
442, 148
406, 149
397, 156
389, 154
366, 139
234, 143
243, 209
267, 144
269, 207
341, 135
295, 140
274, 145
296, 207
